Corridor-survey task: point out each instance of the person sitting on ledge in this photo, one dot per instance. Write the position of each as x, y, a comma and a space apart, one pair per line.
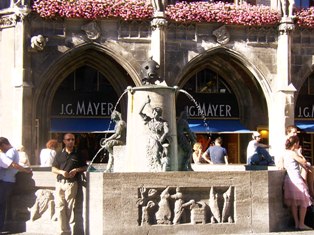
216, 153
257, 153
197, 154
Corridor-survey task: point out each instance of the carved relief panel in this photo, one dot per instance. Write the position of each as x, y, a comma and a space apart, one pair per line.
181, 205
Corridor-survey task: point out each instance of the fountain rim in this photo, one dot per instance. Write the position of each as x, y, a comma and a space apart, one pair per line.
150, 87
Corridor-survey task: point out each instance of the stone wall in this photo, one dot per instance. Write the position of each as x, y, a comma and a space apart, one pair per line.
248, 201
256, 202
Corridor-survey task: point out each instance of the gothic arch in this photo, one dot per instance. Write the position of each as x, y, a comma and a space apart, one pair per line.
119, 71
301, 76
250, 86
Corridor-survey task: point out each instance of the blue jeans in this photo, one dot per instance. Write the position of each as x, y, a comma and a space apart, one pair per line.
260, 157
6, 189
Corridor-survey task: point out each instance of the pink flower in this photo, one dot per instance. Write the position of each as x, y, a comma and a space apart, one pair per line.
206, 12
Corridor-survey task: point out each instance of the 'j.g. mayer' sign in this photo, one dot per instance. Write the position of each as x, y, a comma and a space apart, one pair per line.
97, 104
86, 108
304, 107
209, 105
209, 110
102, 104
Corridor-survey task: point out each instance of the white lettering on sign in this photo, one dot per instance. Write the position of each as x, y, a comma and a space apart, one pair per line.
209, 110
87, 109
305, 112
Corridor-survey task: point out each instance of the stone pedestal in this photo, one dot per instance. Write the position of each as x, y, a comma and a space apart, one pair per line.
256, 202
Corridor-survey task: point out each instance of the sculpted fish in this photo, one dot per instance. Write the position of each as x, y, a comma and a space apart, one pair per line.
213, 204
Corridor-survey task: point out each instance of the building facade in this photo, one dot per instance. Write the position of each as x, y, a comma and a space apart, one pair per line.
67, 74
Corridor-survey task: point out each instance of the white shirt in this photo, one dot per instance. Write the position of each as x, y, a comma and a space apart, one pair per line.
47, 157
251, 148
5, 162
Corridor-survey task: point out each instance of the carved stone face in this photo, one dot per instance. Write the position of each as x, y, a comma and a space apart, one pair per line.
150, 72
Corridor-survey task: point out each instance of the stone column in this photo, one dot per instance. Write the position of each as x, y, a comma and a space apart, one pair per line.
22, 78
281, 110
158, 25
14, 26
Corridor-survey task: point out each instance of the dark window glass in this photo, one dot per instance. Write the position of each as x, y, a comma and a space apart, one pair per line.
207, 81
303, 3
85, 79
308, 86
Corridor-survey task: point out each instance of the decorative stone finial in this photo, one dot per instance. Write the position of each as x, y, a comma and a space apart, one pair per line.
150, 72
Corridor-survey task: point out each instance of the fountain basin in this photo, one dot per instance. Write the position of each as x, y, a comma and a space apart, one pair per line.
109, 201
257, 203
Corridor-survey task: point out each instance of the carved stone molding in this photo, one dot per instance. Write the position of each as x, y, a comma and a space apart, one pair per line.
222, 35
8, 21
9, 17
92, 30
159, 23
286, 27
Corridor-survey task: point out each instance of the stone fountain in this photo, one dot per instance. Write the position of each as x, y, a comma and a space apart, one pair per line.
151, 143
149, 192
156, 194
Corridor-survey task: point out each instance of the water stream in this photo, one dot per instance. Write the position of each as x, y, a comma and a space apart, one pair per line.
115, 107
198, 108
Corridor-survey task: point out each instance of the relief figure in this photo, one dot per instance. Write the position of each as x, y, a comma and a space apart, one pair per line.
227, 208
198, 214
44, 204
147, 203
163, 214
178, 206
213, 204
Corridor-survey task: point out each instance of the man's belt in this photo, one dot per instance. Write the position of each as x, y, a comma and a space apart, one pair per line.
66, 181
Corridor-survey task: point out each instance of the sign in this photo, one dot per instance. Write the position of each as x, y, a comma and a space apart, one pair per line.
95, 104
304, 107
208, 105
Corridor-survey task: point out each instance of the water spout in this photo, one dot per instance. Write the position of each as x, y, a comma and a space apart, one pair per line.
197, 106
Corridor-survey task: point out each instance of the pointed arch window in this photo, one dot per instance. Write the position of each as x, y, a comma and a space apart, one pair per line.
308, 86
208, 81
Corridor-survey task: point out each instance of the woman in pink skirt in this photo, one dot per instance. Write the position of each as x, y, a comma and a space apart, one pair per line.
296, 194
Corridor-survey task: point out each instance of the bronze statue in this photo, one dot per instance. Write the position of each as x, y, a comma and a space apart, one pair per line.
150, 72
186, 139
118, 138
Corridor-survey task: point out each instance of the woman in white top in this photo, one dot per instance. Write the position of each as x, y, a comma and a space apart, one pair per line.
48, 154
24, 159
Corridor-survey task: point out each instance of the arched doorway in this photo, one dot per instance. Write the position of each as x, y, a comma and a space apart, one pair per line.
232, 97
78, 95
